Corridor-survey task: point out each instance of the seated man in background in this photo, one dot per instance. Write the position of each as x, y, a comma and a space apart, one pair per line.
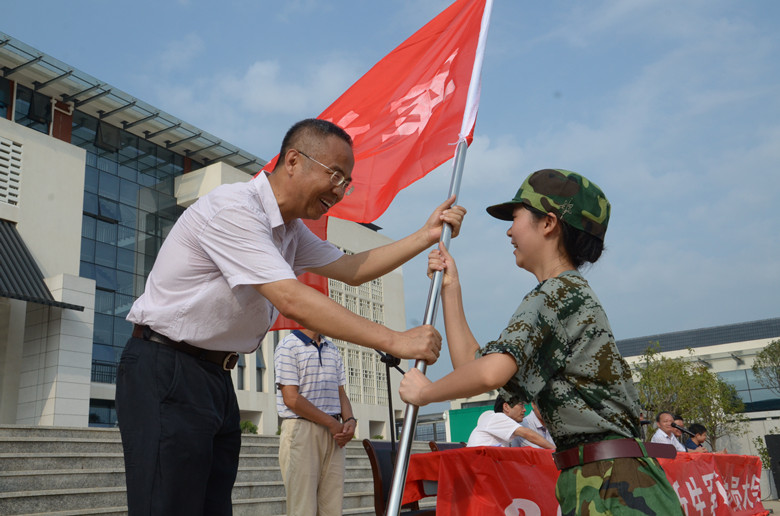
499, 427
678, 430
533, 421
695, 442
664, 433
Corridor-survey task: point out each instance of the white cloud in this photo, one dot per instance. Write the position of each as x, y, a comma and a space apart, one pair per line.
179, 54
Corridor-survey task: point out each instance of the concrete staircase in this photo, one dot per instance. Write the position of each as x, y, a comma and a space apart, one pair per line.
80, 471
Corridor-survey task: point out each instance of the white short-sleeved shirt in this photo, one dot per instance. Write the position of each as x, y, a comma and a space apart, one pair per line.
532, 423
660, 437
317, 371
493, 429
200, 289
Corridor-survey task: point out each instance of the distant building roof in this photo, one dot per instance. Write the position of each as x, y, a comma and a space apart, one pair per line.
740, 332
97, 98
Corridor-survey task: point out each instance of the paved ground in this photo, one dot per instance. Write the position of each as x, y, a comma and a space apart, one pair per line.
773, 506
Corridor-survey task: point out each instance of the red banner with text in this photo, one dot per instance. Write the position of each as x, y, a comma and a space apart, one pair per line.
521, 482
716, 483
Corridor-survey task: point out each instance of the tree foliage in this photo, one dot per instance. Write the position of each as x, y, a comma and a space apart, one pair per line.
766, 367
687, 387
247, 427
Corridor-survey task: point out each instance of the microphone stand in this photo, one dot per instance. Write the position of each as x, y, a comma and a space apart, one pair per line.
684, 431
390, 361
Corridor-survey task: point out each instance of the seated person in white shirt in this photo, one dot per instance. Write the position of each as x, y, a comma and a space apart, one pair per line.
664, 433
533, 421
499, 427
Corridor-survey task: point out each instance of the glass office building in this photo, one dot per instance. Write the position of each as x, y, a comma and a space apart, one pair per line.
129, 208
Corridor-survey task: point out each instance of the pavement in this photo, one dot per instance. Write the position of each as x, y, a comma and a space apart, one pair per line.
773, 506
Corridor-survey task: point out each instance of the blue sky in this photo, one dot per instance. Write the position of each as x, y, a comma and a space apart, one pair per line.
672, 108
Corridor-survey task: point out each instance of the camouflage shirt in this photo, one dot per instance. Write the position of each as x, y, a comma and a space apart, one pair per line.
569, 364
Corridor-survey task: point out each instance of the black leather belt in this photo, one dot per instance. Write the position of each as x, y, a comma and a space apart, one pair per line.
337, 417
226, 359
611, 449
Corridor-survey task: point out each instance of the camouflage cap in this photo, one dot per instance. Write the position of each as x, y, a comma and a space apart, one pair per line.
574, 199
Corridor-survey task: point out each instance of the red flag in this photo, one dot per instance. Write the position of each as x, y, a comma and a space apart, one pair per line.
315, 281
407, 114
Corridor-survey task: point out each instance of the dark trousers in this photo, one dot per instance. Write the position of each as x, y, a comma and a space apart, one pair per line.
179, 421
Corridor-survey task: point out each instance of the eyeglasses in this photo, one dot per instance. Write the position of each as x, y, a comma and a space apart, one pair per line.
336, 178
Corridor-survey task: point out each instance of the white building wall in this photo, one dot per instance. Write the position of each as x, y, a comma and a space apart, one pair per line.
56, 363
46, 351
51, 199
12, 325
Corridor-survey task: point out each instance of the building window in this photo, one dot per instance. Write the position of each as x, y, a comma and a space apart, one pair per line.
366, 379
354, 385
10, 171
129, 208
102, 413
32, 109
260, 367
369, 377
755, 396
381, 383
240, 371
5, 97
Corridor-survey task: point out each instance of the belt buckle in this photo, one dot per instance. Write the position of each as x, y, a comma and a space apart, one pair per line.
230, 361
558, 462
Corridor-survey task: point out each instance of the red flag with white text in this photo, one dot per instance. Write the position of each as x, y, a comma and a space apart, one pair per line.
408, 112
405, 114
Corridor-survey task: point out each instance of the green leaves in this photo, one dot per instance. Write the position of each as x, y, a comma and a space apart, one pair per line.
687, 387
766, 367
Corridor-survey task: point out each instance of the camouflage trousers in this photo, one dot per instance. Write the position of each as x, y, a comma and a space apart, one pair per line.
617, 487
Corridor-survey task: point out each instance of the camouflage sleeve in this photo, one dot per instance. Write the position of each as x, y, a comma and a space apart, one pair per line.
534, 338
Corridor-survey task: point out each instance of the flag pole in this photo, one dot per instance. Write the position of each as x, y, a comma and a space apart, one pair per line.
469, 118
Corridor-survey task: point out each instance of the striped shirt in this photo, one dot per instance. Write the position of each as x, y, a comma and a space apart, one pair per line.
318, 371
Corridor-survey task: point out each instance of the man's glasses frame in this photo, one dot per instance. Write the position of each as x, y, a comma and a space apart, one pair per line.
336, 177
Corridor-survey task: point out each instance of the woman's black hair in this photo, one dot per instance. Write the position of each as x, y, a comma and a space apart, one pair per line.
581, 247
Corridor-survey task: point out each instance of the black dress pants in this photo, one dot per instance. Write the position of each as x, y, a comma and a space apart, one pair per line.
179, 421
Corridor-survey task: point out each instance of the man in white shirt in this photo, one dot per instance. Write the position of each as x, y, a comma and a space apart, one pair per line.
225, 271
664, 433
499, 426
533, 421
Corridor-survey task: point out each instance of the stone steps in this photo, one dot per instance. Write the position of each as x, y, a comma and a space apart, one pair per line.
80, 471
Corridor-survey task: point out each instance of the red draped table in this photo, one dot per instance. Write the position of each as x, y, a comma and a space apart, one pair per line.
521, 481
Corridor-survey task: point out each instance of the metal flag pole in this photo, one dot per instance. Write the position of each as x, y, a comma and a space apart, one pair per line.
469, 119
410, 415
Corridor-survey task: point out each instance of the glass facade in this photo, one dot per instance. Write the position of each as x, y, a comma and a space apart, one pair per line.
32, 109
5, 97
755, 396
129, 209
102, 413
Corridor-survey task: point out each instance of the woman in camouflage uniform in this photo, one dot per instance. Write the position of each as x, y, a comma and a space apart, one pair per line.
558, 350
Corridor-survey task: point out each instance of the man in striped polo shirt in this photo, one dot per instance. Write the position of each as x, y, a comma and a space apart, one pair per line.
317, 422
